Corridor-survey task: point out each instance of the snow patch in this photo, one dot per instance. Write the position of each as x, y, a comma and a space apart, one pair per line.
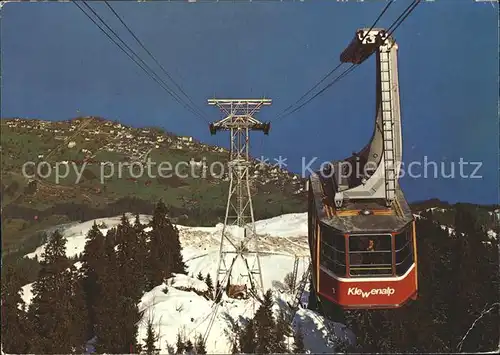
27, 294
316, 335
450, 230
181, 281
492, 234
186, 312
287, 225
436, 209
76, 235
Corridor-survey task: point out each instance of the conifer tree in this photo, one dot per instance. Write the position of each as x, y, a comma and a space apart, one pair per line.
236, 338
199, 345
281, 331
138, 226
234, 347
132, 279
131, 275
265, 324
189, 347
57, 284
15, 335
79, 315
93, 261
130, 318
142, 253
165, 255
210, 285
150, 340
109, 316
117, 311
248, 343
200, 276
179, 345
298, 341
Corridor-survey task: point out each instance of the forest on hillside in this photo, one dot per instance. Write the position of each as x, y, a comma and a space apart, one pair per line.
99, 300
457, 309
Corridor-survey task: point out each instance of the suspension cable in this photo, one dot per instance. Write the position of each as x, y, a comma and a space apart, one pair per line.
336, 68
378, 19
403, 16
160, 82
164, 86
153, 57
337, 79
396, 23
311, 89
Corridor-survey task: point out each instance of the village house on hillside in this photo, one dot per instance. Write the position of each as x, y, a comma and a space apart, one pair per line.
186, 139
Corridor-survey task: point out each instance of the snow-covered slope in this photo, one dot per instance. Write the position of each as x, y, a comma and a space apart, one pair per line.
191, 314
281, 238
76, 234
284, 234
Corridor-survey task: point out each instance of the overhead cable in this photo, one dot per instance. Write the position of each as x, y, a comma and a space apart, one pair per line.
158, 80
153, 57
284, 112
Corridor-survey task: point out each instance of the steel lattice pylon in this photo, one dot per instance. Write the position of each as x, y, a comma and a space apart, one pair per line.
239, 121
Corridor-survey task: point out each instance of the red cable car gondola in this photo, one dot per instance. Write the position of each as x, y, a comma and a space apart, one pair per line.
362, 261
361, 228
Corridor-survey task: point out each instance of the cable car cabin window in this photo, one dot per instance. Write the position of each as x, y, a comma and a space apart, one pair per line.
332, 251
370, 255
404, 251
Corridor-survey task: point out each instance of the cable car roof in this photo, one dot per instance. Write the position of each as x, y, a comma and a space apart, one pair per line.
350, 218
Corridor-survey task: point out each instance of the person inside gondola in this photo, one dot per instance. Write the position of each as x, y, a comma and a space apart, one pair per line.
371, 258
371, 245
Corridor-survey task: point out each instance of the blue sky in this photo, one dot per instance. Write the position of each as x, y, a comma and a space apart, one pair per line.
56, 64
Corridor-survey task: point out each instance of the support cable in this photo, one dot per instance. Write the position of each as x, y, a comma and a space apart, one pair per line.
154, 58
160, 82
337, 67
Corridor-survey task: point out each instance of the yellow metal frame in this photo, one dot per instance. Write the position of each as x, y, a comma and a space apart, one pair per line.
357, 212
330, 212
